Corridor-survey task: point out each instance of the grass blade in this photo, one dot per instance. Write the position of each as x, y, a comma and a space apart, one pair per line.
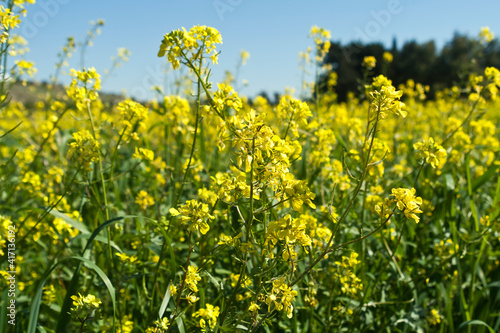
476, 322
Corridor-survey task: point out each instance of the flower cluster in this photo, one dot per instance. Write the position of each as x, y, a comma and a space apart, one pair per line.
297, 192
388, 57
322, 40
486, 35
84, 87
85, 307
208, 315
181, 45
350, 284
386, 99
161, 326
433, 153
8, 21
289, 231
281, 297
224, 97
24, 67
369, 62
192, 278
144, 200
133, 114
85, 149
144, 154
294, 113
407, 202
230, 186
193, 214
126, 258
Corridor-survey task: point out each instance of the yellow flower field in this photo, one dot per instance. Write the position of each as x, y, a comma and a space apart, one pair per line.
212, 212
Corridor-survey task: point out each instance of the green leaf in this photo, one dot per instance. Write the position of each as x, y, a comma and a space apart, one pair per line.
180, 324
480, 181
477, 323
64, 317
217, 284
450, 183
37, 299
12, 129
165, 301
470, 192
101, 239
73, 286
99, 229
72, 222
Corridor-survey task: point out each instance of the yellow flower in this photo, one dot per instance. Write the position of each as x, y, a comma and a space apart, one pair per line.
246, 281
434, 318
192, 298
224, 97
192, 278
126, 259
194, 214
385, 99
433, 153
144, 154
388, 57
84, 87
244, 55
190, 45
9, 21
132, 113
321, 38
24, 67
228, 240
144, 200
281, 297
210, 313
84, 306
293, 112
163, 323
407, 202
85, 149
161, 326
486, 35
369, 62
173, 289
254, 307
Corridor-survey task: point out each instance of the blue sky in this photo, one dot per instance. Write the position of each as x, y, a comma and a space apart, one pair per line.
272, 31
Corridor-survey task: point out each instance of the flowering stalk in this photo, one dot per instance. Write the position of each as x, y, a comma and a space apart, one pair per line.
183, 282
344, 214
104, 192
186, 172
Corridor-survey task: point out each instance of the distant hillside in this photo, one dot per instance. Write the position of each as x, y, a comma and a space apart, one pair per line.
32, 91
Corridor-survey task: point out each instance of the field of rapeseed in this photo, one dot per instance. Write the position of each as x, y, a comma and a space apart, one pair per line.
207, 211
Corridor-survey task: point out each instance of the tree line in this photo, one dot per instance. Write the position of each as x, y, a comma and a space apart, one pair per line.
421, 62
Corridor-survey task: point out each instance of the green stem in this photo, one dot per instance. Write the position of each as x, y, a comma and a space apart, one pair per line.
465, 306
197, 120
344, 214
186, 172
104, 193
183, 283
115, 152
474, 273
